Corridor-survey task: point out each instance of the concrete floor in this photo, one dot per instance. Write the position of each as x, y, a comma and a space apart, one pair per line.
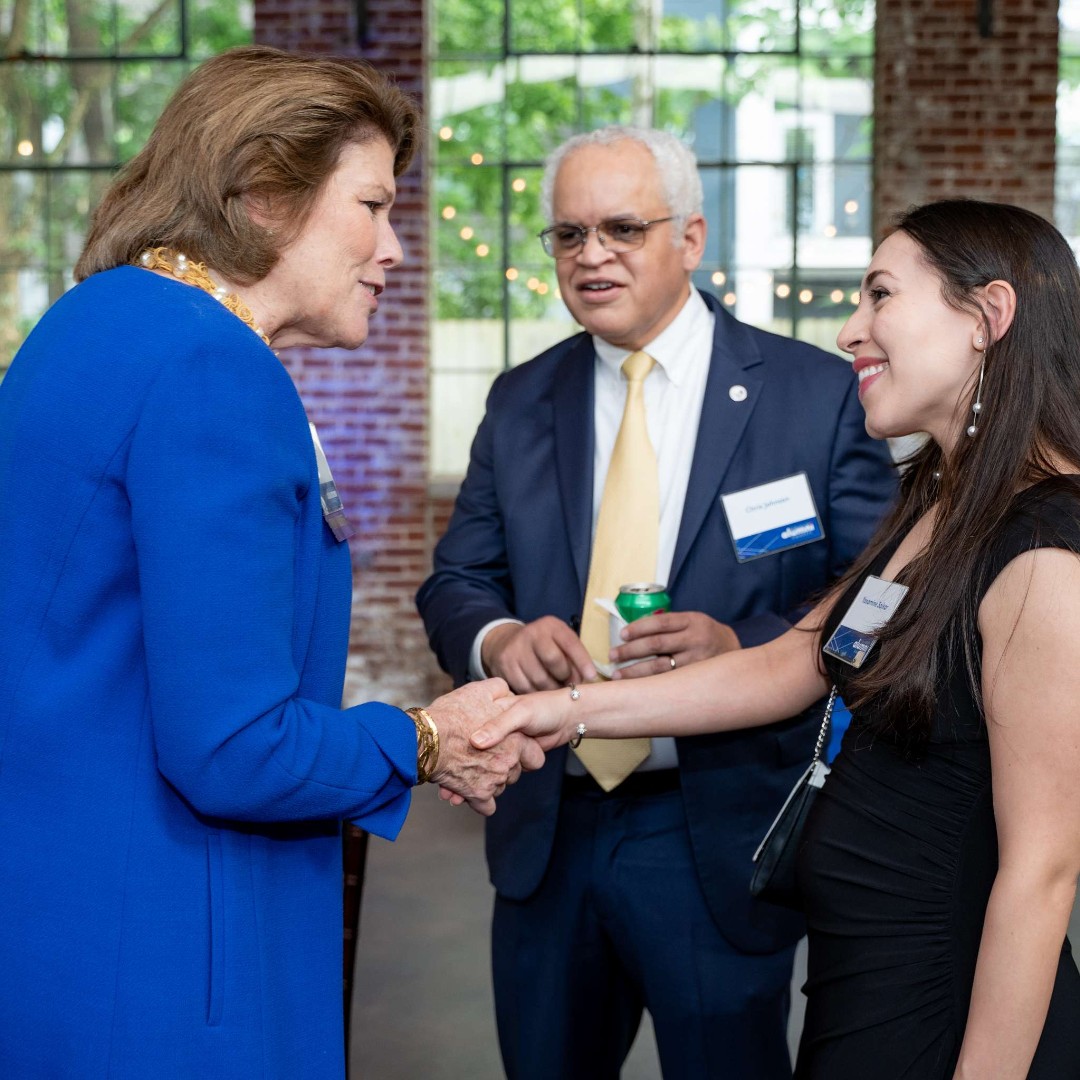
422, 1004
422, 1007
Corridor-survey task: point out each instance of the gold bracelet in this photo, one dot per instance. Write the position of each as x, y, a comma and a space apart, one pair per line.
427, 743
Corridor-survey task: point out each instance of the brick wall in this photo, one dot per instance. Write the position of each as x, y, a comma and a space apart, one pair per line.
371, 406
957, 113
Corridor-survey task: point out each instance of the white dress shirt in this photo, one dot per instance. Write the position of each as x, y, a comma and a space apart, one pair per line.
674, 392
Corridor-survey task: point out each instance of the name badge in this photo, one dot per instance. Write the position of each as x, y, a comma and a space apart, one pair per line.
856, 635
773, 517
333, 511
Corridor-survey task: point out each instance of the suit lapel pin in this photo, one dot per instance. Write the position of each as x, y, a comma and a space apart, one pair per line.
737, 393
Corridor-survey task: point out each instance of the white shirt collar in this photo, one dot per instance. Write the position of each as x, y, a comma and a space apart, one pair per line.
668, 348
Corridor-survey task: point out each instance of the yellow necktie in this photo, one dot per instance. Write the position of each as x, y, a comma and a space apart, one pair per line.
624, 550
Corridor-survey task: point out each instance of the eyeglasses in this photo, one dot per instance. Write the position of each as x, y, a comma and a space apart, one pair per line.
615, 235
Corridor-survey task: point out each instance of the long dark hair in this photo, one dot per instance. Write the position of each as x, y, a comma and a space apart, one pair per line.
1030, 420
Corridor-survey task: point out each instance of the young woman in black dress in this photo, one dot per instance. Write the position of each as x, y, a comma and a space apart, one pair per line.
940, 863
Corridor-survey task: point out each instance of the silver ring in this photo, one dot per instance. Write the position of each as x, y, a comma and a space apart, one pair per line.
672, 659
579, 734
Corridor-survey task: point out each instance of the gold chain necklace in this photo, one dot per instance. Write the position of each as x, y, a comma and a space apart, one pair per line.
182, 268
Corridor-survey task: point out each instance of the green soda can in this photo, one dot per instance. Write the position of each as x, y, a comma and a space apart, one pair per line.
641, 598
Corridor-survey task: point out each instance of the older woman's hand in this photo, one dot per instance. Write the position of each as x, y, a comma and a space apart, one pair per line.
465, 772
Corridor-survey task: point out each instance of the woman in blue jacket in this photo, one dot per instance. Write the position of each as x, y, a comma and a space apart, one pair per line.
174, 600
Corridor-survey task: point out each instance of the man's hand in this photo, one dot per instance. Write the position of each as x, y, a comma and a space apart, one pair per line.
682, 636
541, 655
463, 773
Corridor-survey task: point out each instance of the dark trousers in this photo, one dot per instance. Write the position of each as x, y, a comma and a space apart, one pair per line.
620, 924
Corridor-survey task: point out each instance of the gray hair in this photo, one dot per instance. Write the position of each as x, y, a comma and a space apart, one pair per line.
675, 162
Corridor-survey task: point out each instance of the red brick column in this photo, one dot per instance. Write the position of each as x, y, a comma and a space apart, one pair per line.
371, 406
960, 114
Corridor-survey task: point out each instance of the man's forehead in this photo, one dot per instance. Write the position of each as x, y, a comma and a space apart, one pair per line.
614, 175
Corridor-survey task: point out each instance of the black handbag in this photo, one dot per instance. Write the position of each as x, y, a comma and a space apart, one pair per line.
774, 861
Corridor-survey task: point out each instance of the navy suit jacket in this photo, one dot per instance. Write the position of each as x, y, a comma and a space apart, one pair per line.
518, 545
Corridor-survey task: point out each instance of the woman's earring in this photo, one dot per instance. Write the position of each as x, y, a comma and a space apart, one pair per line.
976, 406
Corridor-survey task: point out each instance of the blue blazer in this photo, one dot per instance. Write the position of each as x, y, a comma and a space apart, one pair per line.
518, 545
173, 759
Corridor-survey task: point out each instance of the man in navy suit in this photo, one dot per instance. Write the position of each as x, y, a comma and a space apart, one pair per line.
609, 902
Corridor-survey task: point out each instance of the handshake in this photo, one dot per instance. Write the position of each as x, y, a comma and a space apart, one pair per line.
465, 773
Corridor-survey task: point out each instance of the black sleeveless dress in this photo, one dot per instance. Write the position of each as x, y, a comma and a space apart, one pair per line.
897, 865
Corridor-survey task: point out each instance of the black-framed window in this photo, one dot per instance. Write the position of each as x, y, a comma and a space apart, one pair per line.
81, 85
775, 97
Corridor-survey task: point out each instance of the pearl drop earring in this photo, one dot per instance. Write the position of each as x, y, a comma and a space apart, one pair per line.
976, 406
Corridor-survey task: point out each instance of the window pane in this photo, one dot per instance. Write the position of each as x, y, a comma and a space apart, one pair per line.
838, 28
524, 221
757, 27
837, 100
467, 112
100, 28
1069, 19
542, 105
143, 88
459, 399
469, 223
217, 25
695, 26
1067, 172
763, 94
689, 101
70, 196
618, 26
541, 26
616, 90
466, 292
543, 327
468, 27
58, 113
24, 286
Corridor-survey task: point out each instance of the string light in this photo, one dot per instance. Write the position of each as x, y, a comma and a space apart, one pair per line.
783, 291
542, 288
805, 296
836, 296
851, 207
719, 278
446, 133
729, 298
855, 298
25, 148
830, 231
532, 282
519, 184
482, 250
511, 273
449, 213
466, 233
477, 158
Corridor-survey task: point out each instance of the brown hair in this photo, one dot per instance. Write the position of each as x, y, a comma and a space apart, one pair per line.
1029, 421
253, 123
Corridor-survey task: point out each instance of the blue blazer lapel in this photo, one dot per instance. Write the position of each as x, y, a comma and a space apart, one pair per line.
723, 420
572, 398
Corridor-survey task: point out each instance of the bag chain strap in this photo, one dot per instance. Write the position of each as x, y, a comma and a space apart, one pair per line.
824, 727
